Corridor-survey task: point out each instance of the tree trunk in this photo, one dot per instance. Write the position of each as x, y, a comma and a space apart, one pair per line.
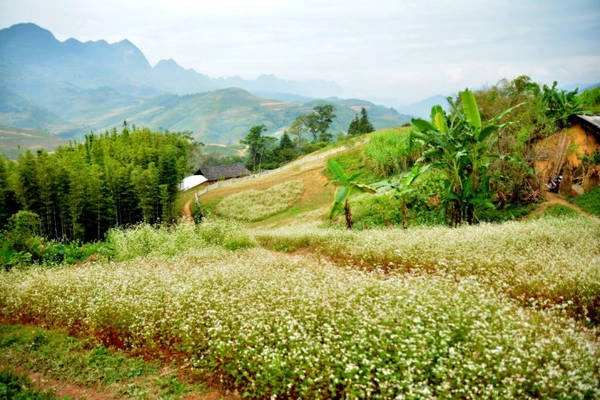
404, 221
349, 222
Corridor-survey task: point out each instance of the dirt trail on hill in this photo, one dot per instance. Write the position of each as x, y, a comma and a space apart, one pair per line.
187, 212
554, 199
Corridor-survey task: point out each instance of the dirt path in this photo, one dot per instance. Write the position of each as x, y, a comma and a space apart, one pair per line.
187, 212
72, 391
554, 199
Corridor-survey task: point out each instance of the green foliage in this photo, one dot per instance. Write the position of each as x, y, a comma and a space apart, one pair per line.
317, 122
348, 184
559, 211
15, 386
560, 104
417, 206
360, 125
392, 151
256, 205
82, 190
258, 146
197, 212
460, 146
77, 361
590, 99
589, 201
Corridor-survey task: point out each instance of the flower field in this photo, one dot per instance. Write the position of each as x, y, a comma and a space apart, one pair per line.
545, 262
254, 205
433, 316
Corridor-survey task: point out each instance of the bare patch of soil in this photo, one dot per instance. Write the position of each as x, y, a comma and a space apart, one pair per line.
70, 390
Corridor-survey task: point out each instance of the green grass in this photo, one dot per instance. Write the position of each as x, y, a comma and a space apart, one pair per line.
255, 205
589, 201
388, 151
16, 386
85, 362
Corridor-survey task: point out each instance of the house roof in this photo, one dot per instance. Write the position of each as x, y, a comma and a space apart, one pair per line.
223, 171
590, 123
191, 181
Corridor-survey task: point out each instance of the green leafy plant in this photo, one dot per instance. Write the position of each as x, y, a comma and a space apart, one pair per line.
347, 184
460, 145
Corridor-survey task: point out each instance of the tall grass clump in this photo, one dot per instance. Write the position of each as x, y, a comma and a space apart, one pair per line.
147, 240
273, 326
589, 201
544, 262
255, 205
391, 151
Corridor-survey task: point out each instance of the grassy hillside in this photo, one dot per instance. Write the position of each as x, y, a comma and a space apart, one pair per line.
14, 140
221, 117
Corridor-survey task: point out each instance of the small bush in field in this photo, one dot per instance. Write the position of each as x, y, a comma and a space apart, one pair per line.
254, 205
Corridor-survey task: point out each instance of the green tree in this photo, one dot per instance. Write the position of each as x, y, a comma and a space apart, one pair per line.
560, 104
354, 127
360, 125
286, 150
258, 146
460, 146
146, 184
319, 121
348, 184
364, 123
297, 130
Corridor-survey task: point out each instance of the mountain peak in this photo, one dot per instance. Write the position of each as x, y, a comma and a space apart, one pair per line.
168, 63
26, 31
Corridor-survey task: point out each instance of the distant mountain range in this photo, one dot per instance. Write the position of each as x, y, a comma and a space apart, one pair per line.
69, 88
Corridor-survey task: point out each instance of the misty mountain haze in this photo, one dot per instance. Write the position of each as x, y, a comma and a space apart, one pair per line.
70, 88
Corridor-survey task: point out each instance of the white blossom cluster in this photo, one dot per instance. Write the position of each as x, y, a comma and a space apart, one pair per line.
546, 262
278, 326
254, 205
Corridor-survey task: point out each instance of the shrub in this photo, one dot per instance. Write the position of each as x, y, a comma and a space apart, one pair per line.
255, 205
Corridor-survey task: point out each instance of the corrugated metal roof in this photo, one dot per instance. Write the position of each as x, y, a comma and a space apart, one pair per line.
223, 171
589, 122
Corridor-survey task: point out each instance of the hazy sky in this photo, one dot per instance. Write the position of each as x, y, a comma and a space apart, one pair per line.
393, 51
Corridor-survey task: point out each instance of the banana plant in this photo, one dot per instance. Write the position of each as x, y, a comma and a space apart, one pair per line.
403, 186
459, 144
348, 185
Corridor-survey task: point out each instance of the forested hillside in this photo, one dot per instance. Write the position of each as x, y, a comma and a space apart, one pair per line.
82, 190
